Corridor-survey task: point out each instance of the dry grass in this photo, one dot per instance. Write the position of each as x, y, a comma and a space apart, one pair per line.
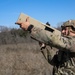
22, 59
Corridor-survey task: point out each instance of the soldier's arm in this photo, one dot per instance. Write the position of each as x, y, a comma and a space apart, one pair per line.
51, 39
47, 37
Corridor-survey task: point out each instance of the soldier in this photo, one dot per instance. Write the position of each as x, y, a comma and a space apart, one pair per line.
64, 59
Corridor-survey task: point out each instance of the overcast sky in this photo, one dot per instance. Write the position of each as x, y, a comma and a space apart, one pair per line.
53, 11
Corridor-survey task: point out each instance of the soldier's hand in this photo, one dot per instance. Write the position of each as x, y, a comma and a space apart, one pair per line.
24, 25
42, 45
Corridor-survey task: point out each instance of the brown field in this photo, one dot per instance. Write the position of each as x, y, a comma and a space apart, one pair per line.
23, 59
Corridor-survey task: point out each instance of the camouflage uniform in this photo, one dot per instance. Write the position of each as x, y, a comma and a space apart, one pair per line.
64, 58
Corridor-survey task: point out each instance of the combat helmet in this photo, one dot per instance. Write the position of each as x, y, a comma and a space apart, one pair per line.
69, 23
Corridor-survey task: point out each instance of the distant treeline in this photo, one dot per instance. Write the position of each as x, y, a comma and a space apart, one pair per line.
14, 36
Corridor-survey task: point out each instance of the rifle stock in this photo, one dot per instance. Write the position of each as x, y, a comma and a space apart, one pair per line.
22, 17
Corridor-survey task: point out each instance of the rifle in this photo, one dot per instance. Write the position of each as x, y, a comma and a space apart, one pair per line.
22, 17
